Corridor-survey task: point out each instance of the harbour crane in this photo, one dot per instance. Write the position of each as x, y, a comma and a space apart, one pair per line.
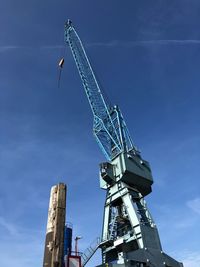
129, 236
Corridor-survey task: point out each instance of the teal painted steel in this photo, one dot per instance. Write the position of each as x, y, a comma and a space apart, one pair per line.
129, 235
109, 127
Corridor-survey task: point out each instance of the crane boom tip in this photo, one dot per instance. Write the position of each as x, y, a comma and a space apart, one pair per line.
68, 23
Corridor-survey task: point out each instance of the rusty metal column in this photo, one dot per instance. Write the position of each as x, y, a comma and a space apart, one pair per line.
54, 243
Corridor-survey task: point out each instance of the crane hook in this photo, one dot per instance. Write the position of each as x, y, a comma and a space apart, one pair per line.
60, 65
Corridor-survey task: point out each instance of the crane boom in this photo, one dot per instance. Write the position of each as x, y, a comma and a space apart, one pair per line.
109, 127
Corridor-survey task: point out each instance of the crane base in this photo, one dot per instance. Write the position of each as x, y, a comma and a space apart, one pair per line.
145, 258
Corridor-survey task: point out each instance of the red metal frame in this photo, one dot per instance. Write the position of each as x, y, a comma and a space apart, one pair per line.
73, 257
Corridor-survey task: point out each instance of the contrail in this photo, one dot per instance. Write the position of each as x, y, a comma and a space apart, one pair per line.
145, 42
113, 43
4, 48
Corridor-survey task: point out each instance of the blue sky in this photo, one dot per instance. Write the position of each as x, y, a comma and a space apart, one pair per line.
147, 56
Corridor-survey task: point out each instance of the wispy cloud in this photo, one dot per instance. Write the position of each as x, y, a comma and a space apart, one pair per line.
185, 223
26, 250
110, 44
194, 205
9, 227
115, 43
52, 46
189, 258
26, 243
6, 48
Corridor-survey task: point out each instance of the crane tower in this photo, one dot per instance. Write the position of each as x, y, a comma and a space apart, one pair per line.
129, 235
